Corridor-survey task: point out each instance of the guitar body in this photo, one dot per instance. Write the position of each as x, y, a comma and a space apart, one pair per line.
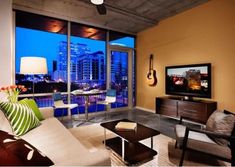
152, 78
152, 75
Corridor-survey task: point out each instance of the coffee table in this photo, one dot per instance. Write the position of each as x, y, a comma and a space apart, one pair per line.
127, 144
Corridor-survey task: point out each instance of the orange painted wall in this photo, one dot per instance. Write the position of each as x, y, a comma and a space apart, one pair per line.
204, 34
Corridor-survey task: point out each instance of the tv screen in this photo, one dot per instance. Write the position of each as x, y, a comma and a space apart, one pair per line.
189, 80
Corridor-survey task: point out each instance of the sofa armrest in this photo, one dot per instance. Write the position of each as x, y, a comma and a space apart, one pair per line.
47, 112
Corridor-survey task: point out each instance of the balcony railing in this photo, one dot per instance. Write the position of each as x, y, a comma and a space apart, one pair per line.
45, 100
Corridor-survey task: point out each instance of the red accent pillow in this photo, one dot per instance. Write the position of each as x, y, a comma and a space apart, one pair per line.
15, 151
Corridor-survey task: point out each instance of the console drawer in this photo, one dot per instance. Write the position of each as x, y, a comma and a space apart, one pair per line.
193, 110
198, 111
166, 107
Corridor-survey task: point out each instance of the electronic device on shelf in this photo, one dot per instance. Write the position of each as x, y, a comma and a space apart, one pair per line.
192, 80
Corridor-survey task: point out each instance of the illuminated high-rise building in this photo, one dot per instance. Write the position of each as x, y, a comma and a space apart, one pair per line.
84, 65
91, 67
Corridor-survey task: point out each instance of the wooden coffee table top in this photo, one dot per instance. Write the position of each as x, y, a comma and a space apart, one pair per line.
142, 132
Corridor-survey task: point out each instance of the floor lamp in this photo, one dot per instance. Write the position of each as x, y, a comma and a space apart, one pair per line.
33, 66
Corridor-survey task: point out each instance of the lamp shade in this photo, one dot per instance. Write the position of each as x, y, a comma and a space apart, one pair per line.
33, 65
97, 2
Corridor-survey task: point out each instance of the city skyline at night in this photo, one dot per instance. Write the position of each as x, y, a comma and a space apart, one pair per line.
88, 64
87, 59
37, 43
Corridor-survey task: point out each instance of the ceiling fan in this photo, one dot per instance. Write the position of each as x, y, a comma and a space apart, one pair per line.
100, 6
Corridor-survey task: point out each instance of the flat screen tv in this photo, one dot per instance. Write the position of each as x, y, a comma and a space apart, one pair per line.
189, 80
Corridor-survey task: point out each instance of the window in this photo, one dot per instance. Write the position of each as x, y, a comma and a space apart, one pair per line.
121, 39
88, 59
119, 77
41, 36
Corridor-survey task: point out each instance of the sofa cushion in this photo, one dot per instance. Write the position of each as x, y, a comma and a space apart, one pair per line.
47, 112
15, 151
3, 96
33, 105
210, 148
201, 142
4, 123
221, 122
180, 132
56, 142
20, 116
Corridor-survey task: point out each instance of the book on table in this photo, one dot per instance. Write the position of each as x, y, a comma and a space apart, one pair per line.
125, 126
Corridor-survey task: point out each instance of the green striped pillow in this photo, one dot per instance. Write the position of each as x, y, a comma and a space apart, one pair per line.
33, 105
20, 116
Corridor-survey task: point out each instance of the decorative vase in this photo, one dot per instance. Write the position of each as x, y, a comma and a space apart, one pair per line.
13, 98
13, 92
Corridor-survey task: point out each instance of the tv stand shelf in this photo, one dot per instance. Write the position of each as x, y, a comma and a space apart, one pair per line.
198, 110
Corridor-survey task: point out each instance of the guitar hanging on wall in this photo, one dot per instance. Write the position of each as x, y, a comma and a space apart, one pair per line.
152, 75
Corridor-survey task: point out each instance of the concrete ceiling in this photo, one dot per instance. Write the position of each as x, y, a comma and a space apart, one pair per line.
136, 15
129, 16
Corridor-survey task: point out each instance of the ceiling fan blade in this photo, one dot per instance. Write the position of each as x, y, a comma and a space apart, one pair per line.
101, 9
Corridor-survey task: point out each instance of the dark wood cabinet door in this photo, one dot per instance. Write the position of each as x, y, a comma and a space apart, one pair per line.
198, 111
166, 107
195, 111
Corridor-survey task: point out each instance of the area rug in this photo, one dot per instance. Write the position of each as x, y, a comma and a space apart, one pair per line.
91, 136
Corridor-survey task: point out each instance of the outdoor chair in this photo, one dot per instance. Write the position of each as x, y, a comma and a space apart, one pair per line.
109, 99
59, 104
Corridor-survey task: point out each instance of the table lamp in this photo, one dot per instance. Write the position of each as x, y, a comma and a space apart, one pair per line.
32, 66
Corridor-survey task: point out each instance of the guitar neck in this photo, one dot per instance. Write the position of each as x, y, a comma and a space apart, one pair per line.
151, 62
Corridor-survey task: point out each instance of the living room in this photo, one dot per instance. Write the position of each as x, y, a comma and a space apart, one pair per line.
201, 34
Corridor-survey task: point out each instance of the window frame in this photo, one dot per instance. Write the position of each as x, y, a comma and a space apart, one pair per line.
69, 22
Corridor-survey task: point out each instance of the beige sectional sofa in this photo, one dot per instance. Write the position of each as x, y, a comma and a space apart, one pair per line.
57, 143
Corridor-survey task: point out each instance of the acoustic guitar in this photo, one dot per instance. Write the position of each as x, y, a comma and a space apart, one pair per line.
152, 75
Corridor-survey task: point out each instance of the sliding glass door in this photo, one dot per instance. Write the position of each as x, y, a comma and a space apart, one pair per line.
120, 75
